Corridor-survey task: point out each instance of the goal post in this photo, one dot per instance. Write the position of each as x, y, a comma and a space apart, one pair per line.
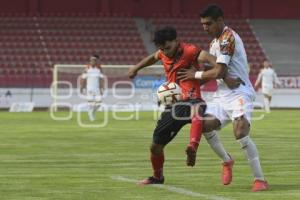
65, 85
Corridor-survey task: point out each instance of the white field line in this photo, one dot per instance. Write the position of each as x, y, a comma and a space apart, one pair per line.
174, 189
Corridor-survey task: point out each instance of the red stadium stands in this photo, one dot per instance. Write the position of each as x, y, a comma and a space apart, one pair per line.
31, 45
39, 42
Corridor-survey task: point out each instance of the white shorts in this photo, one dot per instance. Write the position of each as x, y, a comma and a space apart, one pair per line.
93, 95
267, 90
226, 109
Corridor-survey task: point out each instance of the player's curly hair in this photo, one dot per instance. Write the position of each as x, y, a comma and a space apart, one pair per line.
161, 36
212, 11
95, 56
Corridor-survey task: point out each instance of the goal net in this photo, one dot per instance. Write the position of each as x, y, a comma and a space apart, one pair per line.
119, 89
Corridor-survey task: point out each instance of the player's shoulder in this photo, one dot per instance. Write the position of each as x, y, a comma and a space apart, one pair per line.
227, 36
87, 66
190, 48
211, 44
98, 66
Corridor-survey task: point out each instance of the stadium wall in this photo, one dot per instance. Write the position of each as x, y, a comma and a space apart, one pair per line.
255, 9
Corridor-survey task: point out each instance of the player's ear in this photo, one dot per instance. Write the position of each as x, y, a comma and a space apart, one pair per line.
220, 20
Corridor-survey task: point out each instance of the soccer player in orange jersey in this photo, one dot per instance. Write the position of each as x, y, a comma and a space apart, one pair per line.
177, 55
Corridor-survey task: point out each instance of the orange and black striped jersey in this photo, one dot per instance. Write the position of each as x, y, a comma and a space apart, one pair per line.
186, 57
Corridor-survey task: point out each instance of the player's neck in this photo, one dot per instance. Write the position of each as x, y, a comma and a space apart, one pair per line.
222, 27
176, 51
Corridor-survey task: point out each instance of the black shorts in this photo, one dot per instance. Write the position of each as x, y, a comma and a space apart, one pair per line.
174, 118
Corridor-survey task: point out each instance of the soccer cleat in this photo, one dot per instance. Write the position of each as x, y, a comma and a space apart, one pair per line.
190, 156
227, 172
152, 180
260, 185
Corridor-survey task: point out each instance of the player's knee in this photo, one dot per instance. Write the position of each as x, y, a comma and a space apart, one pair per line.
206, 128
210, 124
156, 149
241, 127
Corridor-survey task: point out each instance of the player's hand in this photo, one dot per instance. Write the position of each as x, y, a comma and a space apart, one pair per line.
83, 92
233, 83
132, 72
186, 74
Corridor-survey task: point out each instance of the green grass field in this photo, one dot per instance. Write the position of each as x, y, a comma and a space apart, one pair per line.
41, 158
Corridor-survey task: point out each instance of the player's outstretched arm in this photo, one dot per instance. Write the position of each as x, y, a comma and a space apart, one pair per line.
148, 61
258, 80
217, 71
276, 80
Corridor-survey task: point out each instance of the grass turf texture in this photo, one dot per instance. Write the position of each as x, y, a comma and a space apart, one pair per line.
41, 158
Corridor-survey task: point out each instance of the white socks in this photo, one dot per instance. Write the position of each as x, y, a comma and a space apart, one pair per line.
215, 143
247, 145
267, 104
93, 107
252, 155
96, 106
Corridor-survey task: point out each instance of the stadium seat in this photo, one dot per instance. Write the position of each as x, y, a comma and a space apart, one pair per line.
71, 38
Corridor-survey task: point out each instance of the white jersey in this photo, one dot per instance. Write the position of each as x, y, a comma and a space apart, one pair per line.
92, 76
229, 49
268, 78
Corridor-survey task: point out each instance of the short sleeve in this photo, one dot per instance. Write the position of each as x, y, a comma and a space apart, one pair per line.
227, 46
194, 52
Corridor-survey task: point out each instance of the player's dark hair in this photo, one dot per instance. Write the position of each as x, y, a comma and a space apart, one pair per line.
161, 36
212, 11
95, 56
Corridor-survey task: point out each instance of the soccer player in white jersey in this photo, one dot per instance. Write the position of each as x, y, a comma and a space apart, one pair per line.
92, 80
268, 78
229, 105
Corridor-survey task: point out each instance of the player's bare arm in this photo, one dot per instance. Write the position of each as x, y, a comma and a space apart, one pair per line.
82, 83
217, 71
102, 82
148, 61
101, 85
258, 80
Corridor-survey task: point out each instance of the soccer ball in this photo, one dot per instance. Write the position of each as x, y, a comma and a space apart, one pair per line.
168, 93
